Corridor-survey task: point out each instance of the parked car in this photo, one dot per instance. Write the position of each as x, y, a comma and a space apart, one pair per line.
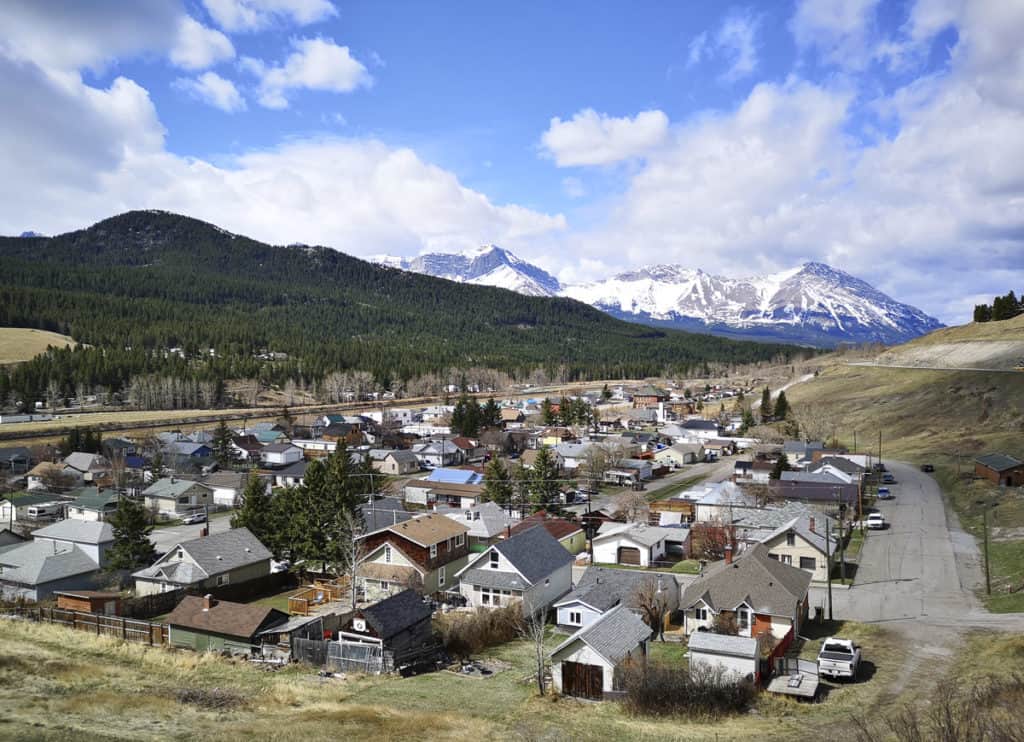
875, 521
884, 493
888, 478
197, 517
927, 468
839, 658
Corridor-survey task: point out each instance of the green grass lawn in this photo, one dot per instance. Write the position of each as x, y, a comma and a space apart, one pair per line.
278, 601
663, 493
686, 567
669, 653
853, 546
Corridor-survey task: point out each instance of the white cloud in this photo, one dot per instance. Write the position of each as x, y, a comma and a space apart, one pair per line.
573, 187
840, 30
198, 47
253, 15
316, 64
211, 88
735, 41
592, 138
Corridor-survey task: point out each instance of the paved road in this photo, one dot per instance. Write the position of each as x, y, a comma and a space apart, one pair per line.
923, 569
167, 538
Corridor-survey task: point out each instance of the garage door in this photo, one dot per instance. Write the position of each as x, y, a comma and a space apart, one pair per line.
582, 681
629, 555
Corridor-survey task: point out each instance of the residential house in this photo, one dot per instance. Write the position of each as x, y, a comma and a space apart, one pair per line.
187, 450
396, 630
589, 663
26, 505
315, 448
226, 487
697, 429
762, 595
720, 447
801, 453
69, 555
432, 546
573, 455
173, 497
15, 460
679, 454
721, 502
529, 457
600, 589
511, 416
379, 512
752, 472
92, 504
470, 449
229, 557
531, 567
118, 448
278, 455
292, 475
86, 467
438, 453
1001, 469
649, 396
799, 543
825, 489
554, 435
736, 658
637, 544
460, 488
394, 463
46, 475
839, 466
206, 624
487, 522
246, 448
567, 533
497, 442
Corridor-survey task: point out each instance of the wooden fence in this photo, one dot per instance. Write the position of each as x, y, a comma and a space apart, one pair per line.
321, 592
119, 627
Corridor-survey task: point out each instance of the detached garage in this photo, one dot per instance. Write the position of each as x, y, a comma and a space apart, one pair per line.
588, 664
736, 657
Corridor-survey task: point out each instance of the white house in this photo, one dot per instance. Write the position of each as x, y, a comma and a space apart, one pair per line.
588, 664
530, 567
801, 543
600, 589
280, 454
735, 657
680, 454
635, 544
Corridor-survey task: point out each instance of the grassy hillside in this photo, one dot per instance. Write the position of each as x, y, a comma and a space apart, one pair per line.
945, 418
139, 284
18, 344
995, 345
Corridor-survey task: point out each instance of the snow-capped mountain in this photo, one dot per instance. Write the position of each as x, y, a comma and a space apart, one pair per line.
813, 304
489, 265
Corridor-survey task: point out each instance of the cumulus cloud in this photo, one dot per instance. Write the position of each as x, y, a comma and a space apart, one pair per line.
839, 30
734, 41
592, 138
198, 47
253, 15
213, 89
316, 64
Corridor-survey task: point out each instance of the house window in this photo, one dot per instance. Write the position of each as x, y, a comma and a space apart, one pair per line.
387, 553
701, 614
494, 560
576, 618
433, 551
440, 576
183, 500
222, 579
786, 558
743, 616
181, 553
385, 585
790, 539
808, 563
460, 539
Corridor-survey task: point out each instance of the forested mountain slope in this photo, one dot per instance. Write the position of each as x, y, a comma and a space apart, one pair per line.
137, 285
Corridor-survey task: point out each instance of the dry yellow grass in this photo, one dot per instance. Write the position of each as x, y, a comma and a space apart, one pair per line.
20, 344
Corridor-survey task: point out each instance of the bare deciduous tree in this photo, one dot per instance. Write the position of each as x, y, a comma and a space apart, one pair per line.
651, 599
536, 632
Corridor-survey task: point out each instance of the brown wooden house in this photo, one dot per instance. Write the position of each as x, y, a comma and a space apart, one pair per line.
90, 601
434, 545
1000, 469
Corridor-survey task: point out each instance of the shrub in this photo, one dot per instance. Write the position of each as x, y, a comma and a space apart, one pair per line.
664, 690
466, 634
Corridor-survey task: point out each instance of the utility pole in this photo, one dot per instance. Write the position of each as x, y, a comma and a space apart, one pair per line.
828, 561
855, 441
984, 516
879, 446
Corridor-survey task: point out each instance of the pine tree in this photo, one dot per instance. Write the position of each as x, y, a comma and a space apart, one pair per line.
497, 483
544, 488
547, 414
131, 548
606, 393
781, 407
223, 451
766, 404
490, 416
257, 513
781, 465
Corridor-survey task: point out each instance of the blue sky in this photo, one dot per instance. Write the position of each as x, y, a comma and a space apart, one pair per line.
885, 138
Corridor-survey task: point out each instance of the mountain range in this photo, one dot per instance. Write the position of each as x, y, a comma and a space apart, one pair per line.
812, 304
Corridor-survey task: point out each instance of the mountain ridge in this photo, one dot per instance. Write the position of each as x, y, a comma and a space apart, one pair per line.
813, 303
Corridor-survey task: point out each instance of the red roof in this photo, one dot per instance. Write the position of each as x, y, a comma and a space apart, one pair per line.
559, 528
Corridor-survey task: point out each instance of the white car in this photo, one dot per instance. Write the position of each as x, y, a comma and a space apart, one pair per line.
197, 517
875, 521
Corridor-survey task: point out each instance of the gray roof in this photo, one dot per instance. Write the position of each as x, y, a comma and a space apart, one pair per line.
699, 425
801, 447
278, 447
801, 526
816, 478
998, 461
37, 563
494, 578
79, 531
767, 586
613, 636
386, 511
842, 464
639, 533
15, 453
734, 646
83, 461
170, 487
226, 479
394, 615
402, 456
771, 517
295, 469
487, 519
535, 553
213, 555
602, 588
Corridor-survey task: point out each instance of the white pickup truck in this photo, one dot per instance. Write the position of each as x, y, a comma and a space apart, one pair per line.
875, 521
839, 658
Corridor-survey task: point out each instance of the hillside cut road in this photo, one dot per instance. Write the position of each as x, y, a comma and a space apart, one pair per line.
922, 569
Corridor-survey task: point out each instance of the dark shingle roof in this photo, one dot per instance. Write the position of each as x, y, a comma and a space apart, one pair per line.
213, 555
535, 553
230, 619
397, 613
998, 461
613, 635
602, 588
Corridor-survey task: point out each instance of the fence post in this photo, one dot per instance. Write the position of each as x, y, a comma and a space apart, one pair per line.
124, 629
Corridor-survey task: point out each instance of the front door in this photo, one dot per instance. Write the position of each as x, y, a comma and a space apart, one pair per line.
583, 681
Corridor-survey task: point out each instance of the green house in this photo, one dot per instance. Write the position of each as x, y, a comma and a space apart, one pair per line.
204, 623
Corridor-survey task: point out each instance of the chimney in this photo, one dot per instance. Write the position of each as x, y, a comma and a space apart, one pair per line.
812, 524
208, 602
728, 554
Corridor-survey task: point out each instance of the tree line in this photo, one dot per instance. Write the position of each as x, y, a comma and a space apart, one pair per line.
1002, 307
